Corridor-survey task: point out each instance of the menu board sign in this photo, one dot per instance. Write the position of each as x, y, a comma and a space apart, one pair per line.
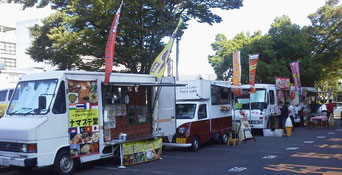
83, 118
142, 151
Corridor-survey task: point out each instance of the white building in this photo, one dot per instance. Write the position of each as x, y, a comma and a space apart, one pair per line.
14, 61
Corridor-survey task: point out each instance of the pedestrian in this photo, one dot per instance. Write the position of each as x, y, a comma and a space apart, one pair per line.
330, 108
292, 113
284, 114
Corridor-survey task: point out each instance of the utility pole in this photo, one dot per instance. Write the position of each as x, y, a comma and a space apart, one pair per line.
178, 37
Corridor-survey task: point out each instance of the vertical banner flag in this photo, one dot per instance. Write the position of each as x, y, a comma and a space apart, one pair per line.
159, 64
110, 46
236, 72
253, 61
295, 74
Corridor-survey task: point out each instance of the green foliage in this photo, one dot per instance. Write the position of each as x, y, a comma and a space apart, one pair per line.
326, 32
285, 43
75, 36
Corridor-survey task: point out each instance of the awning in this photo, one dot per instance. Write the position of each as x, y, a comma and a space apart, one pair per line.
145, 84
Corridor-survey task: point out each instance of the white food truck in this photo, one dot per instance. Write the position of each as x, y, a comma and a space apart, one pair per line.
203, 113
258, 107
62, 118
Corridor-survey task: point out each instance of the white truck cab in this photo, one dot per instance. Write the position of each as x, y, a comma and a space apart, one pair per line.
258, 107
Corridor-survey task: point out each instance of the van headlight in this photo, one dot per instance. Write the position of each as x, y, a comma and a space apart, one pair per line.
181, 130
24, 148
29, 148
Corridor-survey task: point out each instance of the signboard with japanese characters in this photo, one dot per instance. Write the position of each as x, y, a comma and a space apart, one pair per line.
142, 151
83, 118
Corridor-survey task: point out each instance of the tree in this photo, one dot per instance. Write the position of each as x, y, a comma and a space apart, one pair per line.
285, 43
326, 33
76, 34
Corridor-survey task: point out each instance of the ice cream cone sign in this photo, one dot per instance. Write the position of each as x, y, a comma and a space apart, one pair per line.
288, 126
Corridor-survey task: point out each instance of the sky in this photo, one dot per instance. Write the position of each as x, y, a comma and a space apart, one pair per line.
195, 44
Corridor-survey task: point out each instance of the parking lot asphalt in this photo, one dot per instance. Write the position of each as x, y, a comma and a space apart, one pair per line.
306, 151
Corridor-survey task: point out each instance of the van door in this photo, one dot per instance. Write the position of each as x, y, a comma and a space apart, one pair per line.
203, 123
166, 119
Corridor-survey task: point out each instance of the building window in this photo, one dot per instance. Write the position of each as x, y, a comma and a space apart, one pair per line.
7, 48
9, 62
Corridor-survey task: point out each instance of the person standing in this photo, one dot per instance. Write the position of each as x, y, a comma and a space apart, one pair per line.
284, 114
330, 108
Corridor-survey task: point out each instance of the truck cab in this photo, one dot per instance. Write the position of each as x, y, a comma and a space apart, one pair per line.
258, 107
203, 113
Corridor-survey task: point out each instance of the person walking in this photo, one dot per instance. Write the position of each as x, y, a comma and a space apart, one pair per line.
284, 114
330, 108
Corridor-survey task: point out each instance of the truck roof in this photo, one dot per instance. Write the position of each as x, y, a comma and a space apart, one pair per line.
61, 74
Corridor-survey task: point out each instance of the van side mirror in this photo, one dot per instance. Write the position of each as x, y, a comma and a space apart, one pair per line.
41, 102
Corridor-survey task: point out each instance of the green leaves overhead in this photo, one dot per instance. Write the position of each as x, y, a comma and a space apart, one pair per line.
75, 36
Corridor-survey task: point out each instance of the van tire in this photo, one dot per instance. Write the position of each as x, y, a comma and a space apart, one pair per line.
195, 144
64, 164
223, 138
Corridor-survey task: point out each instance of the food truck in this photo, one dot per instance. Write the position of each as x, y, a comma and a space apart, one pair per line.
62, 118
261, 108
203, 113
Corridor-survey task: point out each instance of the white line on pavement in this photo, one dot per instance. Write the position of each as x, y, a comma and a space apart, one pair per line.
133, 170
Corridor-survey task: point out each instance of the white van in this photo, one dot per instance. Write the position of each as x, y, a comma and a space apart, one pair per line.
5, 95
63, 118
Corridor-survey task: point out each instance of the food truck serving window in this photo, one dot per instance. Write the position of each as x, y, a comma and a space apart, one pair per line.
220, 95
131, 101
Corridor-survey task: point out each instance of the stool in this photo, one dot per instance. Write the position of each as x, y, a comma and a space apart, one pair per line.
233, 142
324, 123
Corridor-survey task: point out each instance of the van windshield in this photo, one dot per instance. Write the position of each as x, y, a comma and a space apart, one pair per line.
257, 100
185, 111
29, 93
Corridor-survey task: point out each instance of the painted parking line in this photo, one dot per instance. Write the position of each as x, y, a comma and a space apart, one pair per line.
305, 169
329, 146
321, 137
269, 157
131, 170
292, 148
309, 141
237, 169
318, 155
331, 133
335, 139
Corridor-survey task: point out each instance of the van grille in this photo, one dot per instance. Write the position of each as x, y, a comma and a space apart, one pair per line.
12, 147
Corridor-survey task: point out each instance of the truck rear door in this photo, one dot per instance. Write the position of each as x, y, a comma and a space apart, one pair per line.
166, 119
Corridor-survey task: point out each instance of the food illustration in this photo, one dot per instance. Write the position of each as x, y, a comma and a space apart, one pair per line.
73, 97
94, 147
93, 97
150, 155
95, 137
85, 148
76, 139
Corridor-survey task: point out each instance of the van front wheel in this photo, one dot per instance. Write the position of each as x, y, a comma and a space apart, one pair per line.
64, 164
195, 144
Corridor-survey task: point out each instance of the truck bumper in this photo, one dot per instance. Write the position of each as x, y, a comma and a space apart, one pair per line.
181, 145
18, 161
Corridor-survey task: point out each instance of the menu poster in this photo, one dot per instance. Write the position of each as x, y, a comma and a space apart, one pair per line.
142, 151
83, 118
245, 127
